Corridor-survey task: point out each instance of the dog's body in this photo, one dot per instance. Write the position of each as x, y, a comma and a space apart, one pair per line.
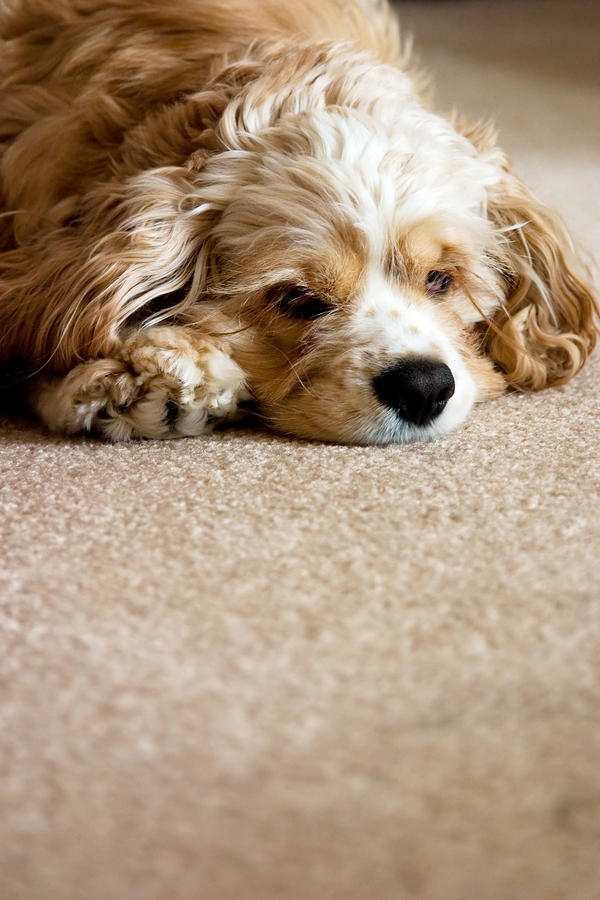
215, 201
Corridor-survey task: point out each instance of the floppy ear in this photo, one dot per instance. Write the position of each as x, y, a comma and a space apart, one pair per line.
65, 297
548, 324
137, 245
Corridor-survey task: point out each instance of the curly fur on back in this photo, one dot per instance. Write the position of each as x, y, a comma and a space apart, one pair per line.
191, 163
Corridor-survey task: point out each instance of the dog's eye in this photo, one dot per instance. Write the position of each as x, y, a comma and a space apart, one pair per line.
438, 283
299, 303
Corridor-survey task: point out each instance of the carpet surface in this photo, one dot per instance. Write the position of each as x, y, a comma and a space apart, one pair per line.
251, 668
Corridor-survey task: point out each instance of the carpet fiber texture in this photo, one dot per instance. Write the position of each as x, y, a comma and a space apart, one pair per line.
251, 668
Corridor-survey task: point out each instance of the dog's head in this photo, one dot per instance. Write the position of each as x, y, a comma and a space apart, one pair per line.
377, 270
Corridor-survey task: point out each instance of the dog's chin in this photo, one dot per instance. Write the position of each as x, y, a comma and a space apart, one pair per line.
393, 429
389, 427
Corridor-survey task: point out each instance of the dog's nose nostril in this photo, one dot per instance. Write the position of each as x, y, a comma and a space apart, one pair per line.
418, 389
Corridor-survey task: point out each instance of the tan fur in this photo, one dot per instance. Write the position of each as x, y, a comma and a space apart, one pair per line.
129, 289
548, 324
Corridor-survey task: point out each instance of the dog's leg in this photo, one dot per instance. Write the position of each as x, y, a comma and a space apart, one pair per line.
161, 383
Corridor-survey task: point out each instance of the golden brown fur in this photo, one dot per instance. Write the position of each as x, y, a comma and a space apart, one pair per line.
148, 245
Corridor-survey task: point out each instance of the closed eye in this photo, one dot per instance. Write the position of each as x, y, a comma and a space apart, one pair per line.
300, 303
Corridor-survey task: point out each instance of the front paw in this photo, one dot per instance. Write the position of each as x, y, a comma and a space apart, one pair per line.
187, 384
162, 383
91, 394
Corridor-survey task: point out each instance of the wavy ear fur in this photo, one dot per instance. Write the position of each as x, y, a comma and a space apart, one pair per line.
548, 324
73, 275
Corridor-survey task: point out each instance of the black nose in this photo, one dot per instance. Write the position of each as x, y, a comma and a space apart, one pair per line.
418, 389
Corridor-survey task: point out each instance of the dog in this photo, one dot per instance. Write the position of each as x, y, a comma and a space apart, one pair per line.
215, 205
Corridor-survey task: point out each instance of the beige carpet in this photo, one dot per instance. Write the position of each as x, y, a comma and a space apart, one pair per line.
247, 668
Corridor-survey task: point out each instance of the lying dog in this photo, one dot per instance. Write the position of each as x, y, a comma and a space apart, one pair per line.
210, 202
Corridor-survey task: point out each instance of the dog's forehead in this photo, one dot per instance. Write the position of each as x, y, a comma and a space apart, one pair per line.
384, 174
350, 193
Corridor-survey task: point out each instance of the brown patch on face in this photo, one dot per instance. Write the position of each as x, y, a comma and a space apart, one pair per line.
430, 246
334, 276
341, 268
280, 357
337, 277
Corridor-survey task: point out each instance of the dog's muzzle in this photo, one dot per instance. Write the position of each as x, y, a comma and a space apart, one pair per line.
417, 389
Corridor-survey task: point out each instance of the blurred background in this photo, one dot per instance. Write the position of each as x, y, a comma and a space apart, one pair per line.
534, 67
